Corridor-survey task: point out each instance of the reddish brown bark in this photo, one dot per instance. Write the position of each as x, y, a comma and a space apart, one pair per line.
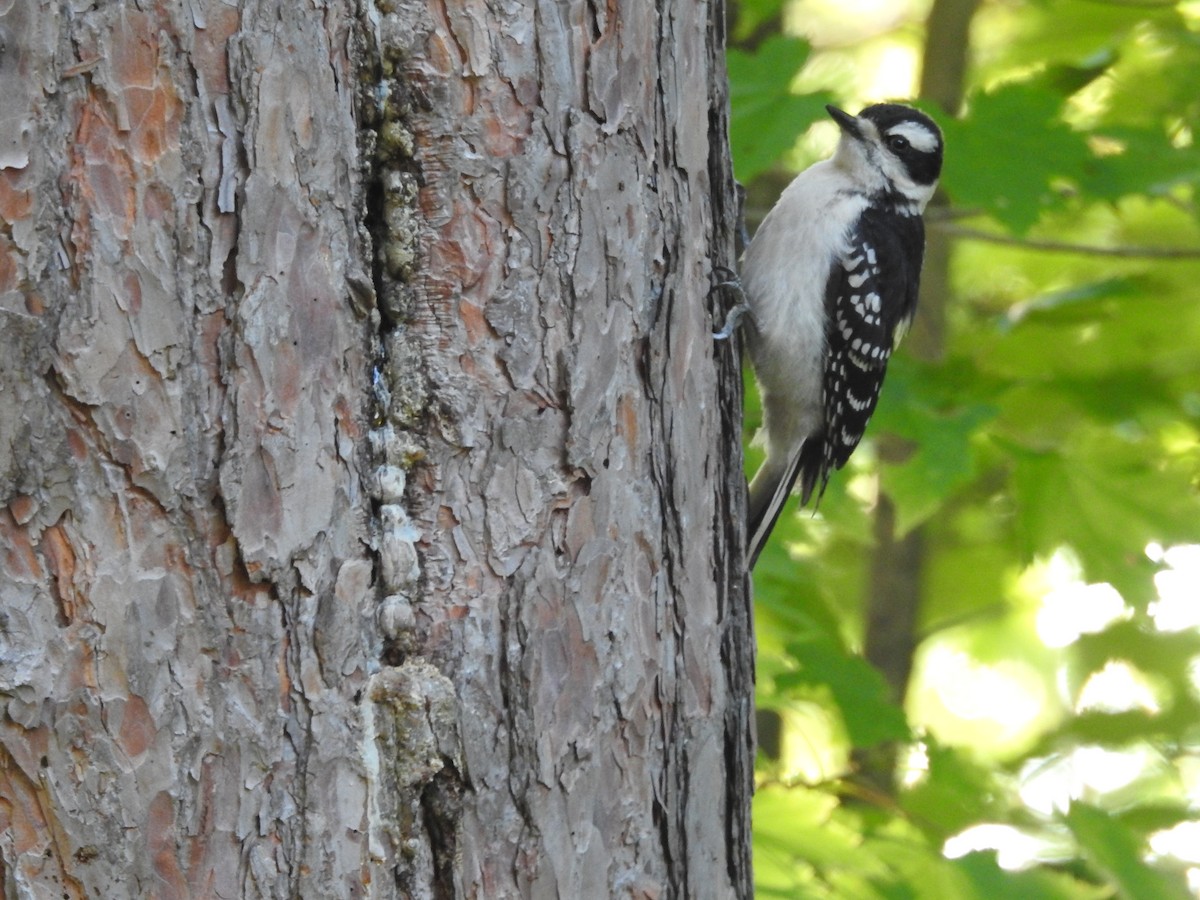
365, 461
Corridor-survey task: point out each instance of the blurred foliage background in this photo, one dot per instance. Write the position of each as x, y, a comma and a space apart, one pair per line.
979, 660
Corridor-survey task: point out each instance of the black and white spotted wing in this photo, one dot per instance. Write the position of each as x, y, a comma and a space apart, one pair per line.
870, 299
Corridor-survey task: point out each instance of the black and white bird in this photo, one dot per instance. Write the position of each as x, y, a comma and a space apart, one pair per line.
831, 280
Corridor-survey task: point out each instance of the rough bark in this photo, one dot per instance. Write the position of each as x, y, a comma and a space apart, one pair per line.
575, 581
365, 462
187, 586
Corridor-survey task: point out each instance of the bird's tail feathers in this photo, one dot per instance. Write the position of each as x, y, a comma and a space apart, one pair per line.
815, 464
768, 493
770, 488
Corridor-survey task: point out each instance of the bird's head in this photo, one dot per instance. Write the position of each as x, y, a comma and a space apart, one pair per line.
891, 149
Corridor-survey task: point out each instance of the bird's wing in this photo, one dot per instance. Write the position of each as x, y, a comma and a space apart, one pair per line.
870, 299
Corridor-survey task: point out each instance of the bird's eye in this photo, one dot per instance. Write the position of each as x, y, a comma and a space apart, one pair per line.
897, 142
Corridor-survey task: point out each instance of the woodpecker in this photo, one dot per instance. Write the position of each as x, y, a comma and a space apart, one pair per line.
831, 281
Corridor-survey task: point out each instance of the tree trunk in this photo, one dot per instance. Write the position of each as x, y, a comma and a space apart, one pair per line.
898, 562
370, 486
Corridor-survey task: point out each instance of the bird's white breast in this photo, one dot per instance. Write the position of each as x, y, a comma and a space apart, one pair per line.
783, 275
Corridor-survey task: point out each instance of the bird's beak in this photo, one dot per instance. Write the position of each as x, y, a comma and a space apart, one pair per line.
845, 121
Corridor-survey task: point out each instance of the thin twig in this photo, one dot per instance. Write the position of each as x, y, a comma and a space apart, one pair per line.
1140, 4
974, 234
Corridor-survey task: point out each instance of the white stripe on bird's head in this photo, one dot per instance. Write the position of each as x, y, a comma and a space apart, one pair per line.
918, 135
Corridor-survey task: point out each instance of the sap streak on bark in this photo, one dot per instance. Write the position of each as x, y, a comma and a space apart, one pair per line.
574, 587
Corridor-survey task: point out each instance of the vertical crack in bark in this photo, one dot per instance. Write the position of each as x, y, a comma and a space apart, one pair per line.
676, 857
389, 231
441, 807
292, 625
654, 365
420, 785
733, 582
517, 720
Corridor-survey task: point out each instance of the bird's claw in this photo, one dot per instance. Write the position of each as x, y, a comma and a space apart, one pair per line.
729, 279
732, 318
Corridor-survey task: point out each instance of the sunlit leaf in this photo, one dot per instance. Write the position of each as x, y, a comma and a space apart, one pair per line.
1117, 854
1076, 32
990, 882
1107, 505
1078, 304
796, 837
1007, 154
1063, 419
916, 869
1159, 64
955, 792
1167, 654
967, 574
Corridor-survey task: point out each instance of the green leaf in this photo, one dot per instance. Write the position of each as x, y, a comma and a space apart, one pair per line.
1066, 79
1115, 730
940, 426
1143, 161
791, 607
916, 869
990, 882
1076, 33
1115, 852
1106, 498
767, 117
1121, 396
857, 689
1153, 81
796, 838
1072, 306
1148, 818
967, 574
955, 792
943, 462
756, 15
1167, 654
1009, 151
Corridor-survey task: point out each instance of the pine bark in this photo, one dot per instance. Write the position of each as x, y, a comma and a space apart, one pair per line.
370, 489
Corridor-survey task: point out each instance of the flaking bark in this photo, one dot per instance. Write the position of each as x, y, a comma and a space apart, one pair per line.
369, 483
